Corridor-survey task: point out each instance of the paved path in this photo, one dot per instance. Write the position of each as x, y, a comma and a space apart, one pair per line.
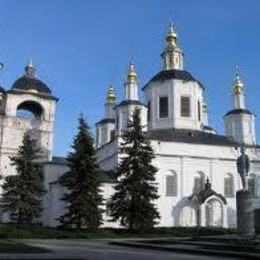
98, 250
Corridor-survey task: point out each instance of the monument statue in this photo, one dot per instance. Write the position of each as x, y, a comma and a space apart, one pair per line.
243, 167
245, 201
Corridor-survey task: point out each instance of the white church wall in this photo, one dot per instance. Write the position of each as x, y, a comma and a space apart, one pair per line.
175, 210
104, 133
241, 127
187, 161
194, 92
53, 207
174, 90
152, 94
13, 131
107, 155
124, 116
107, 192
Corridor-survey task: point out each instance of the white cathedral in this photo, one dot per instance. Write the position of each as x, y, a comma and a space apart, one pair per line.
197, 175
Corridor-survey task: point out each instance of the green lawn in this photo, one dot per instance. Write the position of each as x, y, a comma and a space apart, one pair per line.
34, 231
7, 246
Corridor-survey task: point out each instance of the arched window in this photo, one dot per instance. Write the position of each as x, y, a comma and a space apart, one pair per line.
30, 110
199, 182
229, 185
171, 184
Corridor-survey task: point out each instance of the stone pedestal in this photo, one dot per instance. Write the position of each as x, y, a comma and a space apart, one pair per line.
257, 220
245, 213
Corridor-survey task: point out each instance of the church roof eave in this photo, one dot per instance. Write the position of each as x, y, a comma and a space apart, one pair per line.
239, 111
105, 176
37, 94
129, 102
206, 127
190, 136
206, 194
173, 74
106, 121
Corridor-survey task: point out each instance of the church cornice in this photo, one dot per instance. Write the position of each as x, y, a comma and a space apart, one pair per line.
41, 95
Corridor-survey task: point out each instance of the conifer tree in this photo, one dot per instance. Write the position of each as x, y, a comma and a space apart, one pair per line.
23, 192
82, 182
132, 204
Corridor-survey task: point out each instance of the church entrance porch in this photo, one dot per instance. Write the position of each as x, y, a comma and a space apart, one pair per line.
211, 207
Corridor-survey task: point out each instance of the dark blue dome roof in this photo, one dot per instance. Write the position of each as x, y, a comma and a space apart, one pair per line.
239, 111
173, 74
31, 83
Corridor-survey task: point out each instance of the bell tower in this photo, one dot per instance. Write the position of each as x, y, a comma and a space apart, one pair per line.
240, 122
28, 106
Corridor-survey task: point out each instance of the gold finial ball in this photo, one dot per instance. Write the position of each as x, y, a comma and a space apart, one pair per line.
238, 85
171, 36
111, 95
132, 76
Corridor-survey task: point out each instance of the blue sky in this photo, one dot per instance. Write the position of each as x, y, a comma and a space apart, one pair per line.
80, 47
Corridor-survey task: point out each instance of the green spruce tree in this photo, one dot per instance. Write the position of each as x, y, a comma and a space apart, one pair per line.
23, 192
133, 201
82, 182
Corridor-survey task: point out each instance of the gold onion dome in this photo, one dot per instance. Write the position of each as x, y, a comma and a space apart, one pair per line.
111, 95
131, 76
238, 85
171, 36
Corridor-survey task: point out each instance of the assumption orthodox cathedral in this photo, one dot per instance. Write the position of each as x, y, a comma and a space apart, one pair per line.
197, 174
